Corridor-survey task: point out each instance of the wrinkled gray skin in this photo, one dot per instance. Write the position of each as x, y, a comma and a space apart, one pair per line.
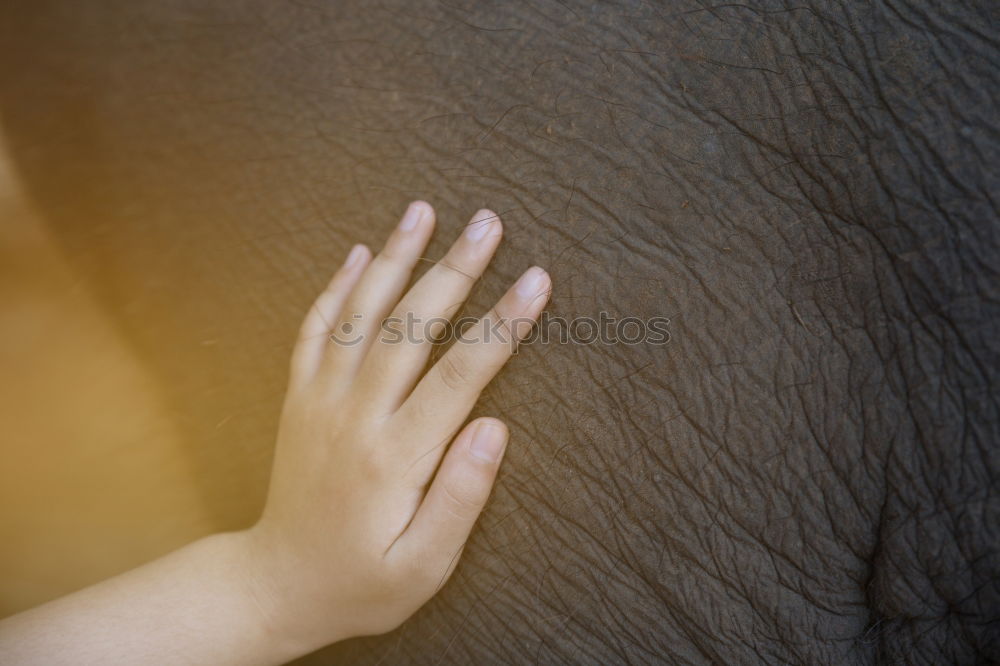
806, 473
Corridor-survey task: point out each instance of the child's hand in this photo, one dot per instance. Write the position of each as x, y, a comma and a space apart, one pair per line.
371, 498
362, 526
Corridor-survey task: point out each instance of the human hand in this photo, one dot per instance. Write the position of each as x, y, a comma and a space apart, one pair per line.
362, 525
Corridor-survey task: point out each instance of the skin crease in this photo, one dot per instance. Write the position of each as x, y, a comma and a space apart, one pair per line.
368, 508
805, 474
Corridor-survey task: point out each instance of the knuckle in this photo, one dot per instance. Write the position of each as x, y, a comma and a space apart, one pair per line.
462, 500
501, 321
457, 265
418, 567
388, 258
453, 371
413, 578
423, 411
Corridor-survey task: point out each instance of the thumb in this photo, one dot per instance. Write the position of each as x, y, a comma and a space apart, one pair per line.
455, 499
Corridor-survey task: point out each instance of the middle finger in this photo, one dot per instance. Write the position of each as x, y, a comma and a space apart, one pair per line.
396, 360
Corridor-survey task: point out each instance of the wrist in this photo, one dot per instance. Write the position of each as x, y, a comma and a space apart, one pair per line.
258, 574
287, 614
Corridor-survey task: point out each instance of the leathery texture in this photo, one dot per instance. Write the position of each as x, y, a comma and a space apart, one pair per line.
806, 473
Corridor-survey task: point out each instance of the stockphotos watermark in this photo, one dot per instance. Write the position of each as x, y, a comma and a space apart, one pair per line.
606, 329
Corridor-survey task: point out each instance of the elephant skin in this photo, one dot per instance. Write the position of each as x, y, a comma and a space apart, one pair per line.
806, 473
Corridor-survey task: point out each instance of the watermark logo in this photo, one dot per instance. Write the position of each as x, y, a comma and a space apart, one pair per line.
605, 329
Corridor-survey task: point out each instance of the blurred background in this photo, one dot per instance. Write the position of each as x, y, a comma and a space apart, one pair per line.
92, 480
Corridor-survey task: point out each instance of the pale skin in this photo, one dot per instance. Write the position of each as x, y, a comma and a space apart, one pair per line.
375, 488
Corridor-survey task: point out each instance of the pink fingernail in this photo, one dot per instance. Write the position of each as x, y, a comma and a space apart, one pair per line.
355, 255
531, 283
411, 217
487, 443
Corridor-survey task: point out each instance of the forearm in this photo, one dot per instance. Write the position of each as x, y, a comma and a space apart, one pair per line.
197, 605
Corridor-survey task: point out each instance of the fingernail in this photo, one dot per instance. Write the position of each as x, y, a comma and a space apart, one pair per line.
411, 217
355, 255
487, 443
530, 284
481, 224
